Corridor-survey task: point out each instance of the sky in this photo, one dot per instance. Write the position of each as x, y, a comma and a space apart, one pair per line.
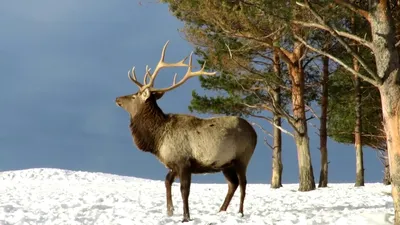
62, 65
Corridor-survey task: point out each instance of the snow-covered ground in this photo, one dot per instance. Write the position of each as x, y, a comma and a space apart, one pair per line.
53, 196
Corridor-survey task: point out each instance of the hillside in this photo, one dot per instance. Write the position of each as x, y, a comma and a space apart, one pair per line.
53, 196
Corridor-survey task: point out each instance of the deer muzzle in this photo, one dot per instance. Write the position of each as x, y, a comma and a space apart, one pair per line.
118, 102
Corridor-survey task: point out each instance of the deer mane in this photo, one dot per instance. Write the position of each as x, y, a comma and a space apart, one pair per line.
146, 126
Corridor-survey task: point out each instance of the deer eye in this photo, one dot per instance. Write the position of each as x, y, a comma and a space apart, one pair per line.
133, 96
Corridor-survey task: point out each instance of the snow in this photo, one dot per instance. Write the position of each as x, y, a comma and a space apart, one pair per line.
54, 196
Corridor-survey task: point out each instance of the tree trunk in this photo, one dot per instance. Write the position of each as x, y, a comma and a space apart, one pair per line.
358, 130
390, 96
358, 122
386, 176
323, 175
277, 166
388, 69
306, 176
359, 165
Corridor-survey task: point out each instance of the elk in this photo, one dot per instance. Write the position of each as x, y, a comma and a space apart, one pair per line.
187, 144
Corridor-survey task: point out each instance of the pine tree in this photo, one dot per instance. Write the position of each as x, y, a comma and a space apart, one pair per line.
342, 115
383, 20
247, 93
262, 25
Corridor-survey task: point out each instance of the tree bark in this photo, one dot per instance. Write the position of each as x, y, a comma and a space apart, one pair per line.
390, 95
277, 166
388, 69
323, 175
357, 130
386, 175
306, 176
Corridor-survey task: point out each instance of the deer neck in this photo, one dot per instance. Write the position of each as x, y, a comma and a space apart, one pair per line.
147, 127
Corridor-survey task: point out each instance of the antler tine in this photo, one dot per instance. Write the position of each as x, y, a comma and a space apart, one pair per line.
163, 51
188, 75
161, 64
146, 75
133, 78
174, 81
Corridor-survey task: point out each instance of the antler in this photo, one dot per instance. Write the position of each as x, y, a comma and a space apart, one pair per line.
133, 78
162, 64
189, 74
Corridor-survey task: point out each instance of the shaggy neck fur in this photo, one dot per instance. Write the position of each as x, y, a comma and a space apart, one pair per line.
146, 126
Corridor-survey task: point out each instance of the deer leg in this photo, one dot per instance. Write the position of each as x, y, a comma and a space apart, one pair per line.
241, 173
233, 183
169, 179
185, 179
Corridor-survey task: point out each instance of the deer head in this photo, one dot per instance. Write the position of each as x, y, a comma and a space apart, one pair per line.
132, 103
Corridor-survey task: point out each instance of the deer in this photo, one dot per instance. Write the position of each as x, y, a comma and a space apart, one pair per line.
186, 144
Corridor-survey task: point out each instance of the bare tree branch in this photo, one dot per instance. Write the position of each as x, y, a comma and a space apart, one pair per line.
262, 129
312, 111
279, 111
354, 8
258, 106
266, 41
372, 81
265, 132
262, 79
273, 124
276, 108
315, 126
342, 42
311, 59
341, 33
268, 144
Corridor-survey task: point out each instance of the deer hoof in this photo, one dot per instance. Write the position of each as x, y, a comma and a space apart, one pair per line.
170, 212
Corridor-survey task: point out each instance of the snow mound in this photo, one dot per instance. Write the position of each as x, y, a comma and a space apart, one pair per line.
54, 196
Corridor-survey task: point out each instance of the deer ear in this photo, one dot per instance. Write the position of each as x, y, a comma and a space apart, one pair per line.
145, 94
158, 94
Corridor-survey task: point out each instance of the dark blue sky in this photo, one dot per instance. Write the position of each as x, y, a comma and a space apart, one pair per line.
63, 63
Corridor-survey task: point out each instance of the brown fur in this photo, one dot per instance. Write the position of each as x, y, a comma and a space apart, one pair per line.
145, 126
189, 145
